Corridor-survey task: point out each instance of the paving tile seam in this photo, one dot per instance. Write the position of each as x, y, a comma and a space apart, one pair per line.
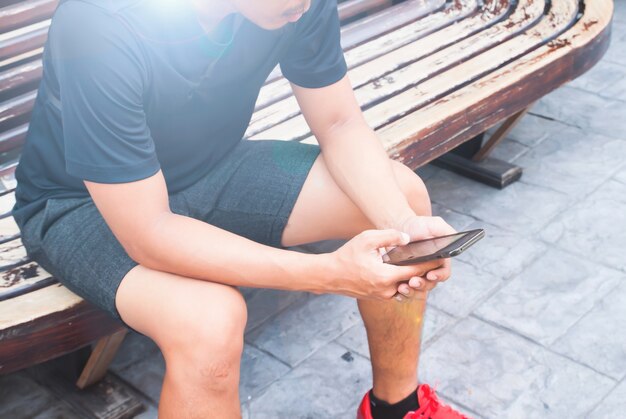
609, 291
350, 349
523, 146
586, 414
134, 389
605, 397
609, 60
598, 93
582, 256
505, 329
576, 196
442, 332
144, 398
466, 409
306, 298
478, 302
259, 392
615, 179
575, 201
331, 339
560, 121
547, 348
455, 211
50, 393
353, 352
587, 129
47, 392
266, 352
528, 234
502, 283
601, 93
155, 351
476, 218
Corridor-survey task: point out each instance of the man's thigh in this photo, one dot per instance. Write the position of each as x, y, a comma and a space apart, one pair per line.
252, 191
323, 211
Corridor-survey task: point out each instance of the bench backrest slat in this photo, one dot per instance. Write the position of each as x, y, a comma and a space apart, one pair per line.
396, 16
280, 89
503, 92
13, 138
25, 13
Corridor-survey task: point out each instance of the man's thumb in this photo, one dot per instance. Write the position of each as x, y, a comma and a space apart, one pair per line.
390, 237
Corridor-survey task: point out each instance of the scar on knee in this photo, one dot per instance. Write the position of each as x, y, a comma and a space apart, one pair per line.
216, 370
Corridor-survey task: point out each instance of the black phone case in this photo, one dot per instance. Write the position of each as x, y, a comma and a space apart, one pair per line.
453, 249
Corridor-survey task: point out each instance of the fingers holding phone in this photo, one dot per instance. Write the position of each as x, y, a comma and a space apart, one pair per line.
361, 271
424, 253
359, 268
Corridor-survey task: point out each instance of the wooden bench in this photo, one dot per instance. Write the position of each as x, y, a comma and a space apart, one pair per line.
429, 75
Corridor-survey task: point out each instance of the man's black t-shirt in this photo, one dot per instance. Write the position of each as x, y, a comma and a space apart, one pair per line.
131, 87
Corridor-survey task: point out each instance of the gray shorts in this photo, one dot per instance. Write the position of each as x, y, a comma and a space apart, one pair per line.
251, 193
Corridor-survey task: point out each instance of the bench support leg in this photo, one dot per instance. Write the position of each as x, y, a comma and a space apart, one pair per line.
499, 135
473, 161
100, 358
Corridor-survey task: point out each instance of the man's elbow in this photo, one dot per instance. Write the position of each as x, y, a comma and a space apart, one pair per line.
142, 245
138, 251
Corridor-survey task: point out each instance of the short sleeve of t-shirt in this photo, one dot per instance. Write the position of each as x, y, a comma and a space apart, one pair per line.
314, 57
101, 76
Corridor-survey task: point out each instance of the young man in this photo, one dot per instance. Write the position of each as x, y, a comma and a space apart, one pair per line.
136, 190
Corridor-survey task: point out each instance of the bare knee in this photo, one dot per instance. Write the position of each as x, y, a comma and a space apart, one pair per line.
413, 187
203, 345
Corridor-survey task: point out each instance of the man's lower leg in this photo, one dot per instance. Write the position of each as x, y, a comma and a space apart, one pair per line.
394, 332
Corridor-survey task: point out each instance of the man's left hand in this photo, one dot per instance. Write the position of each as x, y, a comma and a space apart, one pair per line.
419, 228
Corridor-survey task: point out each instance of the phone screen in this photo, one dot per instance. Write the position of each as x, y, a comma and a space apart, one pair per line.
421, 248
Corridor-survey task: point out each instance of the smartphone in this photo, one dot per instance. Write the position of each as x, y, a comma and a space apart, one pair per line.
435, 248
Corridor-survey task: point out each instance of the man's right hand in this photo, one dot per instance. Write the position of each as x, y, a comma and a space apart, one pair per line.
358, 269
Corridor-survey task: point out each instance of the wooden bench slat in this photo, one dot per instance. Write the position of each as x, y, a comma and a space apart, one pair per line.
12, 254
7, 180
8, 229
283, 110
393, 17
22, 278
25, 13
281, 88
21, 58
558, 20
32, 39
13, 138
34, 305
387, 20
433, 67
6, 203
351, 8
19, 274
16, 109
47, 323
417, 140
19, 77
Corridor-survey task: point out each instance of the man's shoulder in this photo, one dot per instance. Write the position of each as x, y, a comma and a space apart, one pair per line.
92, 20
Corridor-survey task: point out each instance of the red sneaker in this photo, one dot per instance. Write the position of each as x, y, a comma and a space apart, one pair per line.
430, 407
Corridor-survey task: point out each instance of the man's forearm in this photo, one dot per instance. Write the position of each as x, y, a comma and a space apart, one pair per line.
360, 166
193, 248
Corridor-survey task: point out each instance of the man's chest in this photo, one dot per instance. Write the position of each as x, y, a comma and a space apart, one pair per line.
198, 82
